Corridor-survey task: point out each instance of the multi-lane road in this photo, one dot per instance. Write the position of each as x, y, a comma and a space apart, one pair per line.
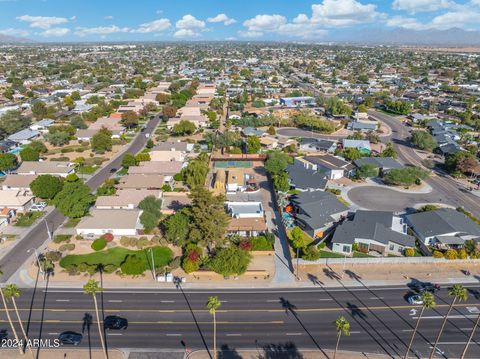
38, 234
381, 319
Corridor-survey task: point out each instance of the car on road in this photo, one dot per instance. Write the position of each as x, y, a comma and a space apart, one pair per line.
424, 287
70, 338
415, 299
115, 322
113, 170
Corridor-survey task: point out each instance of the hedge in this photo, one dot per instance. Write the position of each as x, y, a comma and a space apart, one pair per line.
99, 244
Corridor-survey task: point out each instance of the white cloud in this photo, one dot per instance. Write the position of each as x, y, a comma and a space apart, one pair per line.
15, 32
222, 18
42, 22
250, 33
414, 6
455, 19
73, 18
265, 22
344, 13
100, 30
55, 32
405, 23
189, 22
183, 33
109, 17
154, 26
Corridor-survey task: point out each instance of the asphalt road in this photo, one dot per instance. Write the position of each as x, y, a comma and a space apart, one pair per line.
441, 183
381, 319
38, 234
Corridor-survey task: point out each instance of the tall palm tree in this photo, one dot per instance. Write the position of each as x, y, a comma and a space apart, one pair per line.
212, 305
343, 326
428, 301
9, 318
12, 292
457, 292
92, 287
472, 333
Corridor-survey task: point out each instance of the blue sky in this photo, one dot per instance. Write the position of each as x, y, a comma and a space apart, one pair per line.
126, 20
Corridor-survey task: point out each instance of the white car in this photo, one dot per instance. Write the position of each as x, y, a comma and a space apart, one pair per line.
38, 207
415, 299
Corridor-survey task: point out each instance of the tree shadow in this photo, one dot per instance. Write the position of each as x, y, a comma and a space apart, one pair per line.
30, 310
280, 351
314, 279
48, 274
331, 274
87, 323
102, 306
291, 308
355, 311
178, 283
353, 275
228, 353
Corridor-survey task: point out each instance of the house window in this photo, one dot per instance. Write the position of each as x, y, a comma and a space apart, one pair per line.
392, 247
346, 249
400, 249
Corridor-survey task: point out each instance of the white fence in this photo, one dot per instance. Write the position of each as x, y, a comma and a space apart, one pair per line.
386, 260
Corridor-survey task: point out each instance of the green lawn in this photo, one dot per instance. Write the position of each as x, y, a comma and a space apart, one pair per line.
72, 222
86, 170
117, 255
27, 219
361, 255
327, 254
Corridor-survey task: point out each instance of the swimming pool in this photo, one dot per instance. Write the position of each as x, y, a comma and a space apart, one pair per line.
15, 151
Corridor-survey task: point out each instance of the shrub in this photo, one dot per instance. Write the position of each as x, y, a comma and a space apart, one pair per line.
261, 243
128, 241
59, 238
175, 263
190, 266
110, 268
409, 252
99, 244
230, 261
108, 237
53, 256
72, 269
245, 244
142, 242
324, 244
438, 254
451, 254
66, 247
310, 253
193, 255
462, 254
133, 265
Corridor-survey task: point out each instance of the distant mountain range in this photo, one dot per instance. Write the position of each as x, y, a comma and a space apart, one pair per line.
6, 39
399, 36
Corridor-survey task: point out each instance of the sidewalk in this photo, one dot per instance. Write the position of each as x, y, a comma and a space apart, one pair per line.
63, 353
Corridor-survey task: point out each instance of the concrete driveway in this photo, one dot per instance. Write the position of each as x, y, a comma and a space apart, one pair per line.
385, 199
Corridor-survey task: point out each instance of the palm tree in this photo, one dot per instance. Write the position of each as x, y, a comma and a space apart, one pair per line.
12, 292
212, 305
428, 301
92, 287
472, 333
343, 326
2, 294
458, 292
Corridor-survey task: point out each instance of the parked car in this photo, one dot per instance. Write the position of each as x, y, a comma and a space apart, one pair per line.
113, 170
115, 322
38, 207
424, 287
70, 338
415, 299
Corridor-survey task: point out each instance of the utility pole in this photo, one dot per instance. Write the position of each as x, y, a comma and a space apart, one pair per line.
37, 258
48, 229
298, 255
153, 264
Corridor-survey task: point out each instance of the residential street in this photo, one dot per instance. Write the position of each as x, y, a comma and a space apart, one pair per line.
381, 319
38, 234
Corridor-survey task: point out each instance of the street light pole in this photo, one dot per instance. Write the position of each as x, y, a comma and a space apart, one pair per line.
38, 261
48, 229
298, 254
153, 263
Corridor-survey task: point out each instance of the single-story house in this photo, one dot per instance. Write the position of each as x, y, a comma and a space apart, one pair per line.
174, 201
125, 198
143, 181
317, 211
379, 231
443, 228
174, 146
247, 227
362, 145
297, 101
55, 168
250, 131
20, 201
334, 167
166, 168
15, 182
309, 144
42, 125
24, 136
305, 179
119, 222
383, 164
245, 209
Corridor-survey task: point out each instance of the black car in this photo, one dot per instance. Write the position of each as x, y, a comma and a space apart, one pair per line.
113, 170
424, 287
115, 322
70, 338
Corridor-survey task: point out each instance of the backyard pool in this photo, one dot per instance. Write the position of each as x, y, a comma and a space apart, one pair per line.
288, 220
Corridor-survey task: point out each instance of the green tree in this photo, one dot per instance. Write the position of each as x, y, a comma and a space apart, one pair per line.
209, 220
129, 119
169, 111
253, 144
150, 216
177, 227
39, 110
281, 182
351, 154
46, 186
405, 176
102, 141
458, 293
428, 302
335, 106
59, 138
68, 101
212, 305
195, 174
8, 162
133, 265
183, 128
128, 160
74, 199
366, 171
299, 239
277, 162
362, 108
92, 287
230, 261
75, 96
78, 122
389, 151
423, 140
13, 121
343, 327
29, 154
9, 318
162, 98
